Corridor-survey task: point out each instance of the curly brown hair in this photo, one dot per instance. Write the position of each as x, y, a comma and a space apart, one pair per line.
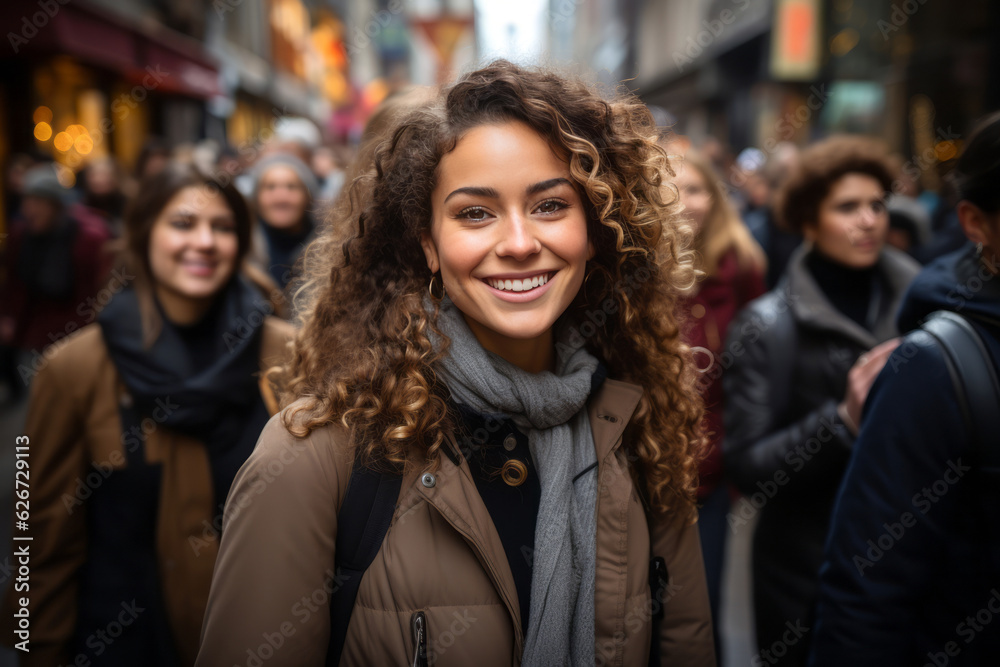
364, 358
823, 164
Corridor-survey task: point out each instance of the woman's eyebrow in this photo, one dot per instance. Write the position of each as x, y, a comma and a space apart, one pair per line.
542, 186
475, 191
534, 188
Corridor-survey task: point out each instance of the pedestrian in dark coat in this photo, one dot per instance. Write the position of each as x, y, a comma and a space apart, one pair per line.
799, 377
54, 263
912, 573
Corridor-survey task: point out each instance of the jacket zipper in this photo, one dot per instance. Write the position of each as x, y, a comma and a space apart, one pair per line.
418, 625
487, 563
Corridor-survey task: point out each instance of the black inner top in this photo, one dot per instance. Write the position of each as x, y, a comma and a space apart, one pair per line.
850, 290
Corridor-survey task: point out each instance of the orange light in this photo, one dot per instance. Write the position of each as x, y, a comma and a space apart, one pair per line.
75, 131
43, 131
945, 150
83, 144
42, 115
63, 141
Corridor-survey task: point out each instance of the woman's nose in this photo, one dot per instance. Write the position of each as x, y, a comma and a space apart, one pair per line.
204, 237
519, 240
869, 215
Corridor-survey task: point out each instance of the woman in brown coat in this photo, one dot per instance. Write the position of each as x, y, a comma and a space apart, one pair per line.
136, 426
498, 329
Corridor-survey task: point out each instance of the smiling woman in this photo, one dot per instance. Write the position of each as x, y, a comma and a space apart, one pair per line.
138, 424
193, 247
512, 255
494, 324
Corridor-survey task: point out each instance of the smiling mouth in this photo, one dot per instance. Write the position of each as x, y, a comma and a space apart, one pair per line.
520, 284
199, 266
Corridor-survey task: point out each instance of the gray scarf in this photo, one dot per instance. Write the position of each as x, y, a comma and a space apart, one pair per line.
552, 408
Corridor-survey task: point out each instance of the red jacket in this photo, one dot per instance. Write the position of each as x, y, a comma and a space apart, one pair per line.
708, 314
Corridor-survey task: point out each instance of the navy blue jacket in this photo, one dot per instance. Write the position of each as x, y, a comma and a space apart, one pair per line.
906, 578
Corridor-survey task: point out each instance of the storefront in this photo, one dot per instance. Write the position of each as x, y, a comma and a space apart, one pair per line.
86, 84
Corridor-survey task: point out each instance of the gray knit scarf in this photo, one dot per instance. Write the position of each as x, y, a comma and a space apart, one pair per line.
552, 408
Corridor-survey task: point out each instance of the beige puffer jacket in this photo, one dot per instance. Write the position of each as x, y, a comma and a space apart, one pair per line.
269, 603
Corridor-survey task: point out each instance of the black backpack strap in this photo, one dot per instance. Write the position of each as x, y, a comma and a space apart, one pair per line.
363, 520
975, 381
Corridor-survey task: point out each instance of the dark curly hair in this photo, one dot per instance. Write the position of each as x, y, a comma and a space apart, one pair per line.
363, 357
822, 165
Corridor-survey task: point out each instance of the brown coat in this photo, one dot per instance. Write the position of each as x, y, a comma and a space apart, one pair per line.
442, 554
75, 428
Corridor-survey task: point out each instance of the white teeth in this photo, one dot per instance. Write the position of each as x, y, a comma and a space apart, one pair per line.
522, 285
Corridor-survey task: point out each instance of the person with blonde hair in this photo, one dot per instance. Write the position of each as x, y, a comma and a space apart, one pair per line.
733, 267
494, 330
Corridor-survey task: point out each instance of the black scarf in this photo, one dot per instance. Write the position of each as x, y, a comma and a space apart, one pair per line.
205, 374
284, 248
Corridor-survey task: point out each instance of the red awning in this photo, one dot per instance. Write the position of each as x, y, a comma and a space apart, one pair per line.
175, 72
163, 59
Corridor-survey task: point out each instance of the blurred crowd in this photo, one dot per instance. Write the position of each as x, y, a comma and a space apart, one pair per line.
66, 229
806, 257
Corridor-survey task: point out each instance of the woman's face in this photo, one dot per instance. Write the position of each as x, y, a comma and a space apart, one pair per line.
852, 222
282, 198
695, 196
508, 233
193, 244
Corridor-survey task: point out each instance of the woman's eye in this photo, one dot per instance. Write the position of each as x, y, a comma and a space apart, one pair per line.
473, 213
180, 224
551, 206
878, 207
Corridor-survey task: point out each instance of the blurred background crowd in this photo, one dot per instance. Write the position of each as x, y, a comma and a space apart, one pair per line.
274, 98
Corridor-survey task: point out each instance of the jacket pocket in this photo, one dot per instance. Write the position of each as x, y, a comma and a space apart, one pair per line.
418, 626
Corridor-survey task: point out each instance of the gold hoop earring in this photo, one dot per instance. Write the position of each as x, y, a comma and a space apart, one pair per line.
430, 289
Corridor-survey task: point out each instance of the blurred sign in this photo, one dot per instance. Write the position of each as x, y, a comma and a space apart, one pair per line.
795, 52
444, 34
